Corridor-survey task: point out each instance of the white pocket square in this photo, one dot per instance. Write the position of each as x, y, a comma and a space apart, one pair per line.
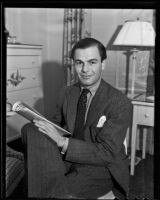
101, 121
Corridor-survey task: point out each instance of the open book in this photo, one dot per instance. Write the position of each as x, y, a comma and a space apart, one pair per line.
29, 113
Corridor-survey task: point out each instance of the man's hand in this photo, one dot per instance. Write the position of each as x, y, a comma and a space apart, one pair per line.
51, 131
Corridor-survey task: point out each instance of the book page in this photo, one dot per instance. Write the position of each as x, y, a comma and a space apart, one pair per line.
31, 114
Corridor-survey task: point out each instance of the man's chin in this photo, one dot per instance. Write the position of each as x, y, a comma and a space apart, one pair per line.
85, 83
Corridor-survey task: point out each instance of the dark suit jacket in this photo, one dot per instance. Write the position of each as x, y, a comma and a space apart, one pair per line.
103, 146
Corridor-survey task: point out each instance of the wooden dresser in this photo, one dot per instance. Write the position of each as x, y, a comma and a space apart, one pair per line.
24, 83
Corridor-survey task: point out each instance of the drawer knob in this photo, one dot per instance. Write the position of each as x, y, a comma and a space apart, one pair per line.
146, 115
33, 62
33, 77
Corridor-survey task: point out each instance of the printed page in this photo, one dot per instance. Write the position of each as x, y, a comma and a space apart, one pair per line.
31, 114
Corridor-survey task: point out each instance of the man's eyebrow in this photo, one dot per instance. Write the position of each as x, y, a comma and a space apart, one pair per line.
78, 60
92, 59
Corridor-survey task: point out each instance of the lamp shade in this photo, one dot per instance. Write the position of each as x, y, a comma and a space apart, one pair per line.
136, 33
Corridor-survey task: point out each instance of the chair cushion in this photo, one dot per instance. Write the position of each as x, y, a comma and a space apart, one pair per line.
12, 153
14, 170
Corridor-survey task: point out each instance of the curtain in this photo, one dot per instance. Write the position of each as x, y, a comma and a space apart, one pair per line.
151, 68
74, 30
150, 91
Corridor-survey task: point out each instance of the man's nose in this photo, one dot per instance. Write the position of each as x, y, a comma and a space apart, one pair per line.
85, 67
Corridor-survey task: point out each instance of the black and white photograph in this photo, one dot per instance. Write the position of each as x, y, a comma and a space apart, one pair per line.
80, 102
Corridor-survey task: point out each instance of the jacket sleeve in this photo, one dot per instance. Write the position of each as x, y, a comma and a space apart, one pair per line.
108, 141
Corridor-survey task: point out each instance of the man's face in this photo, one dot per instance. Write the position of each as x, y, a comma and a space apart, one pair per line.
88, 65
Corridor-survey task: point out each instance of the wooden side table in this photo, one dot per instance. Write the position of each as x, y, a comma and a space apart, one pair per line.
143, 114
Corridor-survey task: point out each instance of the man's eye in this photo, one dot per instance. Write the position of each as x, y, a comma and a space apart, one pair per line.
92, 62
78, 63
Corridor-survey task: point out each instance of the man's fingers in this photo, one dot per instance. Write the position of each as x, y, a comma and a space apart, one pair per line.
38, 121
43, 127
43, 123
42, 130
40, 126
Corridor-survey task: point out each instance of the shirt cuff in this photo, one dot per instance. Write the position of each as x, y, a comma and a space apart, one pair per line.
65, 146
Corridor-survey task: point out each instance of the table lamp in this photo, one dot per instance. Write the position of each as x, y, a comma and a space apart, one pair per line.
135, 34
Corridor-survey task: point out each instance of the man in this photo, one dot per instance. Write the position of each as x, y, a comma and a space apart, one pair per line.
92, 162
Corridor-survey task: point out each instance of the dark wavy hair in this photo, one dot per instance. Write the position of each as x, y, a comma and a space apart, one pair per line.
89, 42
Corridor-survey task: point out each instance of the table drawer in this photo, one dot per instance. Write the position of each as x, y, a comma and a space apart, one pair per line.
23, 61
145, 115
27, 78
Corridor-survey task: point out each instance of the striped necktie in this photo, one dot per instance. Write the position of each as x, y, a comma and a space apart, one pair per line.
80, 116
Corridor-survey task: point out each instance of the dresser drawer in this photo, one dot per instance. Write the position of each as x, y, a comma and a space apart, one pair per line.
23, 61
145, 115
34, 98
29, 78
20, 50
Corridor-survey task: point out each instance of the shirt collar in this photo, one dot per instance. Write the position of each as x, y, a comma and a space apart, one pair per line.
93, 88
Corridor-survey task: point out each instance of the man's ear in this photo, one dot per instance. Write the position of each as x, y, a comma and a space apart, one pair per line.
103, 64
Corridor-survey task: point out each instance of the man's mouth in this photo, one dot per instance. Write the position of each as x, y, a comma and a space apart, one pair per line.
85, 76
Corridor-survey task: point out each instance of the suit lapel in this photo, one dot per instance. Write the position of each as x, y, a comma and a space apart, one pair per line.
96, 107
97, 104
72, 101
